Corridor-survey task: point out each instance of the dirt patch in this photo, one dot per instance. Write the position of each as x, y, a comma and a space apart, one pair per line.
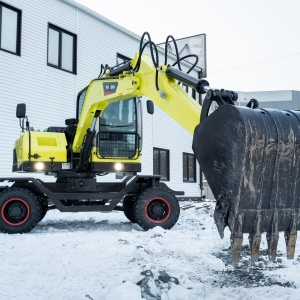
249, 275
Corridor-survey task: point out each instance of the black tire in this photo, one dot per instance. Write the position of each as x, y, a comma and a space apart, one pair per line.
20, 211
156, 207
128, 204
44, 207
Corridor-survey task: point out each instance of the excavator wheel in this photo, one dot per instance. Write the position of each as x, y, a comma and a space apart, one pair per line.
128, 204
20, 211
44, 203
156, 207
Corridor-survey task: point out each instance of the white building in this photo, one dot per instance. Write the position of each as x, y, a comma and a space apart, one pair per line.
49, 51
283, 100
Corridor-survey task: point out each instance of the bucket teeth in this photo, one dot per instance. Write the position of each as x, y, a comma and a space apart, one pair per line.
254, 242
255, 238
272, 241
291, 237
290, 240
236, 247
237, 239
273, 237
241, 222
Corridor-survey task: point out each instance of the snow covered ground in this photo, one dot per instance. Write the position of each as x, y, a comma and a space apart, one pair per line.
103, 256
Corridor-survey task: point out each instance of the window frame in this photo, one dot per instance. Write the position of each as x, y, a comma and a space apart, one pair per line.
194, 178
60, 31
167, 178
19, 28
110, 136
77, 102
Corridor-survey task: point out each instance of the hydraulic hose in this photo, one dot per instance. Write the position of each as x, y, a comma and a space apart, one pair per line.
155, 59
187, 56
176, 51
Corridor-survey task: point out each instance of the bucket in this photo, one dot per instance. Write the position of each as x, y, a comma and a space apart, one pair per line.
251, 161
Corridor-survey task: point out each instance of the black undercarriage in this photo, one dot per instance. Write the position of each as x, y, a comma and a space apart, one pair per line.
73, 194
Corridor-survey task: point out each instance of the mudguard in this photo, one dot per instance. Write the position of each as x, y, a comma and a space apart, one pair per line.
250, 158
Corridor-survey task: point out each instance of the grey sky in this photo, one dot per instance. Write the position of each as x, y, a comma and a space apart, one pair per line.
252, 45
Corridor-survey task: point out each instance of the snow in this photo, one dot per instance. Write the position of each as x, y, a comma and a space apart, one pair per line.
125, 291
103, 256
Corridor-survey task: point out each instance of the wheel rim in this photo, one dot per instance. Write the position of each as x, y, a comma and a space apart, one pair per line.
157, 210
15, 211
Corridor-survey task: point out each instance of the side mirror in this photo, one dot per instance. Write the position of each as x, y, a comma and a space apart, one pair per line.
150, 107
21, 110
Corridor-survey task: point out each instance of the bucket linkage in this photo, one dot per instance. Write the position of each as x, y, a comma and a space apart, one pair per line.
251, 160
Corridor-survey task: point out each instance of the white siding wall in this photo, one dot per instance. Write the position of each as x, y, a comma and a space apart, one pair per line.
169, 135
50, 93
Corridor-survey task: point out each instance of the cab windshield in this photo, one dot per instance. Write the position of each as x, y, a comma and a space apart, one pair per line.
119, 116
80, 101
117, 136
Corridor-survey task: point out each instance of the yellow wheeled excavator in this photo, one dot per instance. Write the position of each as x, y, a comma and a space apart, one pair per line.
249, 156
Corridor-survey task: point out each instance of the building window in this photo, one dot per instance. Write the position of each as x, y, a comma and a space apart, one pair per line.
161, 163
10, 29
62, 49
189, 167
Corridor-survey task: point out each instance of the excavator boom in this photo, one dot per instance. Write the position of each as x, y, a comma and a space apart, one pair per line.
175, 102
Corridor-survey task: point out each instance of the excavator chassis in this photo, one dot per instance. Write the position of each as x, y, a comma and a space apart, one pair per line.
144, 199
251, 160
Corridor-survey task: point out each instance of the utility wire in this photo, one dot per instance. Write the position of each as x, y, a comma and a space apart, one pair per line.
256, 63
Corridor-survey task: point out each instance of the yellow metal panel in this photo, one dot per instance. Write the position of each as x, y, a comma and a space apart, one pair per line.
95, 158
47, 141
46, 145
178, 104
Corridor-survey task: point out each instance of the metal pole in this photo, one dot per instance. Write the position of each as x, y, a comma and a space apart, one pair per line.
200, 170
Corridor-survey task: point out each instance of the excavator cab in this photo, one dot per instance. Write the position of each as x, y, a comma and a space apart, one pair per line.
115, 134
118, 136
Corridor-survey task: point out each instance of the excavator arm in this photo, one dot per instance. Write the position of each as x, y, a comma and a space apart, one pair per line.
172, 98
125, 83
